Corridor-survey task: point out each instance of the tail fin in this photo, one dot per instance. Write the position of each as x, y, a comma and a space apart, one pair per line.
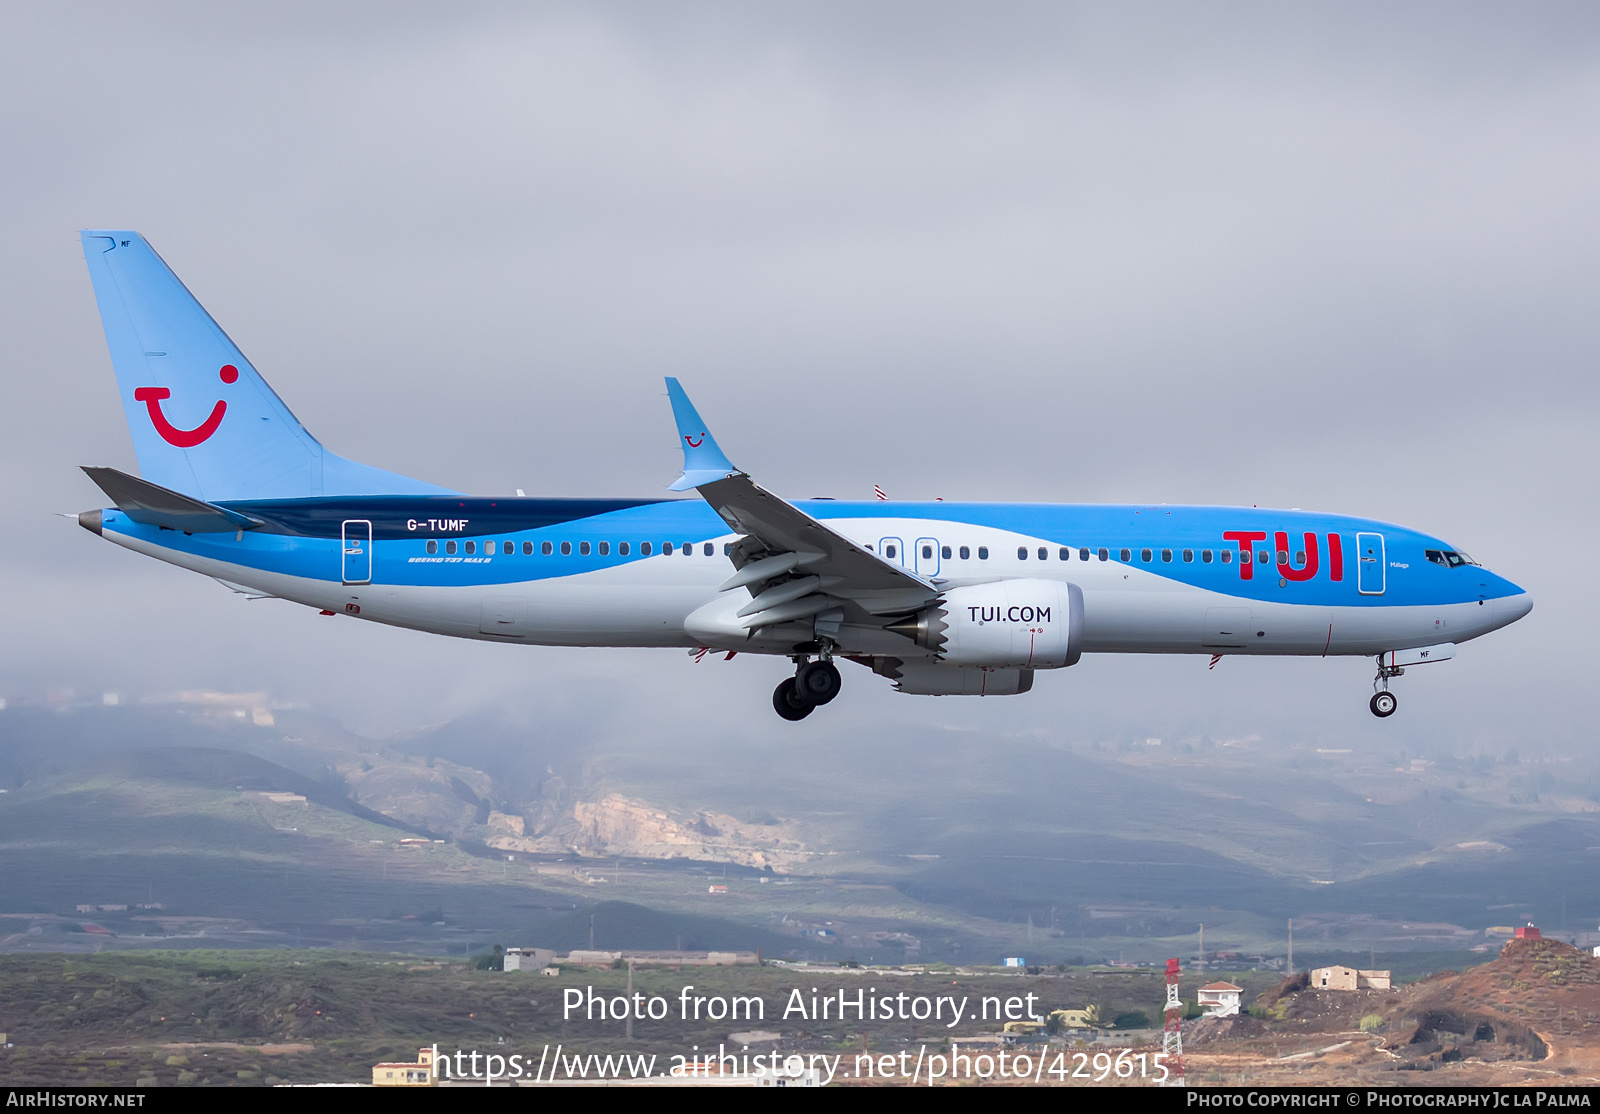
204, 423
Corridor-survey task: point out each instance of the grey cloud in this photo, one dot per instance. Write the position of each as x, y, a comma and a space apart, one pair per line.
1267, 254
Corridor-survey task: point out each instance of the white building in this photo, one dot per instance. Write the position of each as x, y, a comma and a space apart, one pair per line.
1220, 999
532, 959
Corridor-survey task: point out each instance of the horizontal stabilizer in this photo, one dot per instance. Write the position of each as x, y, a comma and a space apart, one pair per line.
152, 505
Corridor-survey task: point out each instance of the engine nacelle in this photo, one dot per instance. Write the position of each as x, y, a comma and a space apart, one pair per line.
1005, 624
931, 678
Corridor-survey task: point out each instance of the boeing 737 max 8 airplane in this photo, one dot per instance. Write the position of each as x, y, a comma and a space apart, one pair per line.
938, 598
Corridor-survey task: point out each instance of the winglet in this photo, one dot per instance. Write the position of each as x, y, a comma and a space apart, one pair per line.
703, 461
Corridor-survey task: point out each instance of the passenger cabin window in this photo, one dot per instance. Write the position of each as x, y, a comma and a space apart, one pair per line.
527, 549
1104, 555
1205, 556
583, 549
1022, 553
1083, 554
509, 548
605, 549
566, 549
1283, 556
927, 553
622, 548
1188, 556
888, 551
983, 553
433, 547
944, 552
472, 547
1044, 554
450, 546
1263, 557
727, 549
666, 549
1299, 556
644, 549
1066, 554
966, 553
688, 549
709, 550
545, 548
1127, 555
1227, 556
1144, 555
1166, 554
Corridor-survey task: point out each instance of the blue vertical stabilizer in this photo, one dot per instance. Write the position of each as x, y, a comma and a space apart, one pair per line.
204, 423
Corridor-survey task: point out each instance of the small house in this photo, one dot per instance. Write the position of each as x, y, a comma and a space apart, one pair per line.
1220, 999
417, 1074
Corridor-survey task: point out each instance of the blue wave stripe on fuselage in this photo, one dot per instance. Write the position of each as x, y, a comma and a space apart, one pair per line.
406, 516
303, 540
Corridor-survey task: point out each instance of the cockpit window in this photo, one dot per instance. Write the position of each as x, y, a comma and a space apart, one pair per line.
1449, 558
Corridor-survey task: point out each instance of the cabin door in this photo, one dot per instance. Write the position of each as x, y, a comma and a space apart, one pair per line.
356, 541
1371, 566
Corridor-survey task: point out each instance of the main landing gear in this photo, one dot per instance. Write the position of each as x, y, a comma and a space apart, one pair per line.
813, 685
1383, 703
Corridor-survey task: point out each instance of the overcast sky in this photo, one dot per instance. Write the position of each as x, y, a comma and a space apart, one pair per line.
1339, 257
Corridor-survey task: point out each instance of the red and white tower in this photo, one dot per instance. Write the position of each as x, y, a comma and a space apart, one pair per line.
1172, 1037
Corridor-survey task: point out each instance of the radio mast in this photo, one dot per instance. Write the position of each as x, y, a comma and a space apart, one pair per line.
1172, 1037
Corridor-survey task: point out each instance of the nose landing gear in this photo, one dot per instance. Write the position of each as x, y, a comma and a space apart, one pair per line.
1383, 702
814, 684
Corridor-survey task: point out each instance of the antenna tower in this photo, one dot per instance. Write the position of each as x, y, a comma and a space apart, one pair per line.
1172, 1037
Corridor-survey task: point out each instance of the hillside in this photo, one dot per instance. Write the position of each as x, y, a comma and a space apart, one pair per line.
1531, 1015
1053, 848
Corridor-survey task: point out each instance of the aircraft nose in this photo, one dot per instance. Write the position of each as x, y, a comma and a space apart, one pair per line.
1508, 609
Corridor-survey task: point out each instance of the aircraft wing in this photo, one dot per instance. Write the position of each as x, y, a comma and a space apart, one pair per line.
794, 566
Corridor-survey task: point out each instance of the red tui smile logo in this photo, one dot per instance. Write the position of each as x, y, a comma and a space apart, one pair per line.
171, 434
693, 444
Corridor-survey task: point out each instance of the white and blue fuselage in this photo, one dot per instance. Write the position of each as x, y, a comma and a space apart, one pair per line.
630, 572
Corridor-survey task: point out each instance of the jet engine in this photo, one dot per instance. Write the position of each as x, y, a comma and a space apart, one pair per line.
1005, 624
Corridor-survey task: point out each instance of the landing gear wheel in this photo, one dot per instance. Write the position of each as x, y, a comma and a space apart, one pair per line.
818, 682
1383, 704
787, 703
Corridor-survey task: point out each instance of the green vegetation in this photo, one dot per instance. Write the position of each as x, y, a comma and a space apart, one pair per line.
239, 1018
